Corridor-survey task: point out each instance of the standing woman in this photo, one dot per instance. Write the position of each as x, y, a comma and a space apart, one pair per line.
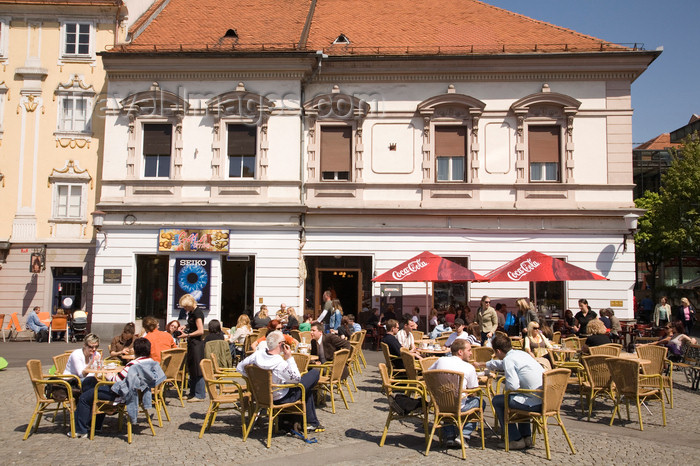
662, 312
687, 315
195, 346
527, 314
487, 319
337, 315
583, 316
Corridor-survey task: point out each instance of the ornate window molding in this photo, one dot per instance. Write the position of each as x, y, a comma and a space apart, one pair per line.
451, 109
4, 35
239, 107
339, 110
69, 200
74, 117
153, 106
545, 108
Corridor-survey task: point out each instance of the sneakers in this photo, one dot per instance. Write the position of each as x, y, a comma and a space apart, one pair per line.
77, 435
316, 428
514, 444
194, 399
395, 407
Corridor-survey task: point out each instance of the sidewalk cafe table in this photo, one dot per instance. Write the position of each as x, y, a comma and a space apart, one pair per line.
431, 351
102, 372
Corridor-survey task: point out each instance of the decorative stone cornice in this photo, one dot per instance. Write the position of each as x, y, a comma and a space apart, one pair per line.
71, 172
154, 101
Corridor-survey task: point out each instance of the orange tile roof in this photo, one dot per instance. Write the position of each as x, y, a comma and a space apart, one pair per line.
373, 27
660, 142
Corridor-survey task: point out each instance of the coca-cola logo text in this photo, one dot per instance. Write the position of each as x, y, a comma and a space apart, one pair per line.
526, 267
412, 267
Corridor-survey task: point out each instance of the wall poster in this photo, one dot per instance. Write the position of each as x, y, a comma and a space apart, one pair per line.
193, 276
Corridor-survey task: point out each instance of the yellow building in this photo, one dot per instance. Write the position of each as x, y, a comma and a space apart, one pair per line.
51, 84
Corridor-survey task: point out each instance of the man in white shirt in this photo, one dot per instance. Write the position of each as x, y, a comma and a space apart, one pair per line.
406, 339
277, 357
521, 371
461, 353
440, 328
458, 334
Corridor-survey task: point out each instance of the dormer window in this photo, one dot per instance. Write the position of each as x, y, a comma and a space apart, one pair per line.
231, 34
342, 39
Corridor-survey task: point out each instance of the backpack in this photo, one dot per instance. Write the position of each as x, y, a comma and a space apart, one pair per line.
42, 336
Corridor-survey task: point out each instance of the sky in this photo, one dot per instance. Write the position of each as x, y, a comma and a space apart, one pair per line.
667, 94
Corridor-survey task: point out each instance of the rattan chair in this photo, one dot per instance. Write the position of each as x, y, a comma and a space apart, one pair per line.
554, 384
556, 338
261, 386
516, 343
659, 365
391, 387
446, 394
360, 336
573, 343
482, 354
107, 406
60, 361
611, 349
302, 361
333, 379
305, 335
172, 370
417, 336
46, 404
441, 340
425, 363
598, 380
633, 386
389, 360
411, 365
223, 392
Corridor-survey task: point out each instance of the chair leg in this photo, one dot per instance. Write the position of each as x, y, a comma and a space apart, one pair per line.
270, 421
205, 424
31, 422
639, 413
253, 415
566, 434
545, 434
342, 395
150, 424
432, 433
663, 411
165, 408
386, 428
461, 441
347, 385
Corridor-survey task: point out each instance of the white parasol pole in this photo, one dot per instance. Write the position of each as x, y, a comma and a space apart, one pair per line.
427, 311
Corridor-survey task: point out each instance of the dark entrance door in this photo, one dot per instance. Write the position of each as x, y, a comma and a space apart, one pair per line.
237, 286
152, 286
67, 289
344, 285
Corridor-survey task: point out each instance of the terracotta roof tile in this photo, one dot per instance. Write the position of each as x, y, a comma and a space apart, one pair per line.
660, 142
373, 27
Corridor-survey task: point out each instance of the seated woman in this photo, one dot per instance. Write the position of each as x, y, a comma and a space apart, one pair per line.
306, 325
535, 343
261, 319
215, 332
122, 344
569, 323
237, 340
344, 331
172, 329
271, 327
473, 334
597, 335
677, 340
80, 360
292, 321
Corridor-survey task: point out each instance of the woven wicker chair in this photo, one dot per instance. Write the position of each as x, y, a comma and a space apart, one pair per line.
223, 392
417, 336
107, 406
425, 363
60, 361
172, 370
554, 384
690, 365
45, 404
573, 343
598, 381
556, 338
333, 379
482, 354
406, 387
516, 343
631, 385
446, 394
360, 336
659, 366
302, 361
441, 340
411, 366
611, 349
389, 361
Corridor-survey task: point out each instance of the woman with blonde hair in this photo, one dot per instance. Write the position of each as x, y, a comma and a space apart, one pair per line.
528, 313
687, 315
262, 318
597, 335
536, 344
337, 315
237, 340
193, 333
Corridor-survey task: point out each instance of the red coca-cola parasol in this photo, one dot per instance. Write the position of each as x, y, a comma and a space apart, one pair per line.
538, 267
428, 267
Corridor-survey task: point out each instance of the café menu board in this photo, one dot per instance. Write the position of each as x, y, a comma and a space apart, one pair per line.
188, 240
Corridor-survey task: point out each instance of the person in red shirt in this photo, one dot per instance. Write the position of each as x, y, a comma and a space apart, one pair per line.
159, 340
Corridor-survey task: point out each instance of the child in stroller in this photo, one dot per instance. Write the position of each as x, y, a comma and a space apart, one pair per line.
78, 325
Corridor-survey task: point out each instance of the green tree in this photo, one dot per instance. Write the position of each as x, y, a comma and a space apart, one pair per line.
649, 240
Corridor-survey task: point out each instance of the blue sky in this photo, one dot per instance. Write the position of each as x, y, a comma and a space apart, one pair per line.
666, 95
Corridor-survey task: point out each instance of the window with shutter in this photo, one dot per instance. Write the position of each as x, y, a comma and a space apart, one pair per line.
336, 152
543, 152
242, 151
157, 149
450, 152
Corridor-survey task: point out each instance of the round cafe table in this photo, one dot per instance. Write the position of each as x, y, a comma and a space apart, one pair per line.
432, 351
102, 373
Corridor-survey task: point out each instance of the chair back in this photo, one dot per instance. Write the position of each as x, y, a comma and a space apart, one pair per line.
425, 363
445, 389
60, 361
417, 335
59, 323
624, 374
572, 343
655, 354
222, 350
340, 360
556, 338
176, 358
409, 363
207, 367
441, 340
249, 339
302, 361
516, 343
482, 353
35, 374
387, 356
384, 373
260, 385
294, 333
611, 349
554, 384
597, 370
356, 336
305, 336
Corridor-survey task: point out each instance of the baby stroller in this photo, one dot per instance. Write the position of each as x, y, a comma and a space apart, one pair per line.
78, 326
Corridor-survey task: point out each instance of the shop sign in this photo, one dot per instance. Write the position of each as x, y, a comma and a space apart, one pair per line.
616, 303
193, 276
112, 276
174, 239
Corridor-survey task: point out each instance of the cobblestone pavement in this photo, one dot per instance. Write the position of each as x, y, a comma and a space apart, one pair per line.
351, 436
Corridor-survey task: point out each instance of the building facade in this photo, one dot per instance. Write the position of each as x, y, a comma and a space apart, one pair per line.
252, 164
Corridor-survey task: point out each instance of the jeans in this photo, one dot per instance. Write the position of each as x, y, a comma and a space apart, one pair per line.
309, 381
83, 412
450, 430
197, 387
521, 429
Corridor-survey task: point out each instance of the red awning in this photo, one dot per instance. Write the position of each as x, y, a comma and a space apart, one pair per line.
428, 267
537, 267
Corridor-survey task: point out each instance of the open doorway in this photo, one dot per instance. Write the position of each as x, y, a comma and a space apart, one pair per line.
152, 286
344, 285
237, 287
348, 278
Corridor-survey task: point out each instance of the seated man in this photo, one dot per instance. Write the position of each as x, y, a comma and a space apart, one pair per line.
34, 323
440, 328
521, 371
277, 357
461, 353
458, 334
159, 340
406, 339
83, 413
325, 345
392, 328
354, 325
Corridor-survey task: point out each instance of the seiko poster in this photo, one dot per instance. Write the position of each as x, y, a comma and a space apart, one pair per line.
193, 276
